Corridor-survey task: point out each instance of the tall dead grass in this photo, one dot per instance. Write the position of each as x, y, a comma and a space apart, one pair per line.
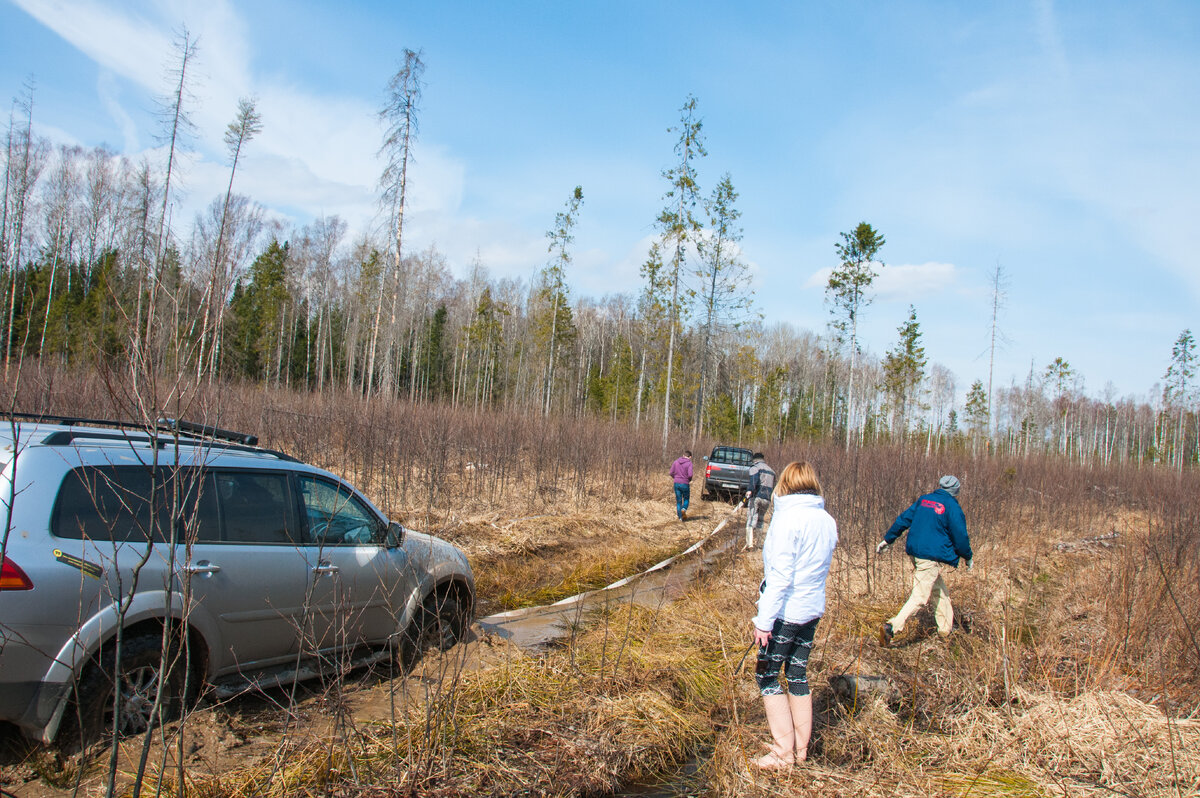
1075, 674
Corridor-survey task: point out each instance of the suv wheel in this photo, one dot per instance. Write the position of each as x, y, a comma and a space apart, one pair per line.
141, 678
440, 624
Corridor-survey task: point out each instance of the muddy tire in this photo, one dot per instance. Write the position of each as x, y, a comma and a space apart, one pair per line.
440, 624
141, 677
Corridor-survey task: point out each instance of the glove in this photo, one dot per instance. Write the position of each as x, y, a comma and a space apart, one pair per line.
971, 564
882, 547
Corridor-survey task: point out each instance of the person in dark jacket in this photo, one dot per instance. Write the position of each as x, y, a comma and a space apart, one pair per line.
758, 497
937, 536
681, 474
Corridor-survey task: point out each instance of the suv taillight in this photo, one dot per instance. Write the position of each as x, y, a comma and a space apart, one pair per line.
708, 471
12, 577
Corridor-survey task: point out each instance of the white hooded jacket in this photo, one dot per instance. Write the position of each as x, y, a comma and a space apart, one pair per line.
797, 552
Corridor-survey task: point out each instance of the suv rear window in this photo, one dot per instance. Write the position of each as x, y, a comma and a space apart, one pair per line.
113, 503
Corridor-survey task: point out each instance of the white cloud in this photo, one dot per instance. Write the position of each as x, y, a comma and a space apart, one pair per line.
125, 44
109, 90
905, 283
911, 283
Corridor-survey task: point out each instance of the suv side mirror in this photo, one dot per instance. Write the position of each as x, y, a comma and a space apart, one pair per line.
706, 458
395, 535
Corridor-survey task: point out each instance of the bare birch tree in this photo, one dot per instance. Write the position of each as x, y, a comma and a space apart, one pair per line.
63, 193
399, 115
27, 158
999, 285
178, 128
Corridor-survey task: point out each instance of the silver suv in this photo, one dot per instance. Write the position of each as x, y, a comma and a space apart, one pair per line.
139, 565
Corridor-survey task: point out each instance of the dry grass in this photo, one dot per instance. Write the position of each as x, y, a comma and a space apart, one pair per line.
539, 560
642, 691
1076, 676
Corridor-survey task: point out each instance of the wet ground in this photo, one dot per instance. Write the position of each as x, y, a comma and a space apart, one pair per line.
532, 627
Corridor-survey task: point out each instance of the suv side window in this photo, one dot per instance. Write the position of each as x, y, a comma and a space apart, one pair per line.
256, 507
334, 516
113, 503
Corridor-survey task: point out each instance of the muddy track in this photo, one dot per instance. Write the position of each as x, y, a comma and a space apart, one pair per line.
532, 627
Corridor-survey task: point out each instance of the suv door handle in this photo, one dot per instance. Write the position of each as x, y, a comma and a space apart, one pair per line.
203, 567
322, 568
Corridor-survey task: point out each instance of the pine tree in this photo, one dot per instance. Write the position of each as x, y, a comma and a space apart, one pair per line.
245, 126
256, 317
724, 285
554, 323
653, 311
1060, 374
847, 292
485, 335
903, 370
977, 412
679, 225
1177, 393
1181, 371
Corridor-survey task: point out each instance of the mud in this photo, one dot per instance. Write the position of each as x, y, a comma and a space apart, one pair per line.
533, 627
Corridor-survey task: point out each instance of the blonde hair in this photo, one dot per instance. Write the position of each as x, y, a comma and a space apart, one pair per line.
798, 477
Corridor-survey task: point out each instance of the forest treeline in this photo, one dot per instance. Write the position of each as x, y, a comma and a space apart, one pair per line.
94, 266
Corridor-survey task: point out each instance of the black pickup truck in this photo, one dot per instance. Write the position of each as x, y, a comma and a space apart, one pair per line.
728, 472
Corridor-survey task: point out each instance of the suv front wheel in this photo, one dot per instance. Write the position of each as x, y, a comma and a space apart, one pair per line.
440, 624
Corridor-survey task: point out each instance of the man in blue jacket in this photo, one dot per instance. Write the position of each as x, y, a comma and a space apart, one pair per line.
937, 536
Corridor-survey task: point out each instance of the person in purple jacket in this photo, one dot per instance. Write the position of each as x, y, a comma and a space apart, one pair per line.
681, 473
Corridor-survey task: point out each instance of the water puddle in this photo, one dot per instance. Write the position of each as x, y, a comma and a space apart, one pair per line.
532, 627
684, 781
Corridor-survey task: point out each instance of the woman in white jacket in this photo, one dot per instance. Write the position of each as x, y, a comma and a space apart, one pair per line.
797, 552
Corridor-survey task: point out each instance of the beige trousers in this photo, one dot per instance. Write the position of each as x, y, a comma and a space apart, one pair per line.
927, 584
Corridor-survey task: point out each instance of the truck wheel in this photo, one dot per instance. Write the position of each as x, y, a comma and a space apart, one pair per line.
140, 677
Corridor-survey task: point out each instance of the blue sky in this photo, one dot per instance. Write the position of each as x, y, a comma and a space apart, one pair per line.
1060, 140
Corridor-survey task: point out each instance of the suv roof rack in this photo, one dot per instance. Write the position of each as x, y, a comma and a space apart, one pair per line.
190, 430
206, 431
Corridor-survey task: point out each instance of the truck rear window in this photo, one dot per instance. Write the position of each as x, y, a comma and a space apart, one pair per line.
732, 456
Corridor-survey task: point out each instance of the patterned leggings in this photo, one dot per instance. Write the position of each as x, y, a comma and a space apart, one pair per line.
788, 652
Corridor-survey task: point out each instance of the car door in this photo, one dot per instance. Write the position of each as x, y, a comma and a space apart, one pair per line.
363, 583
248, 569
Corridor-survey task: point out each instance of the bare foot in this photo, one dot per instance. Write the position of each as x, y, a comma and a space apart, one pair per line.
801, 754
773, 761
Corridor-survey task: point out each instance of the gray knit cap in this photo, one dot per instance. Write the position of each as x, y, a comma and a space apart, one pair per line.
950, 484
